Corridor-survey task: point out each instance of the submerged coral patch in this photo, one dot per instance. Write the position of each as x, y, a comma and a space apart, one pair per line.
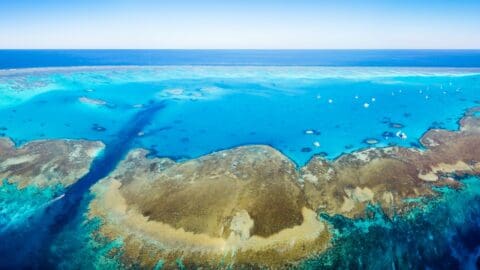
99, 128
370, 141
306, 149
396, 125
92, 101
388, 134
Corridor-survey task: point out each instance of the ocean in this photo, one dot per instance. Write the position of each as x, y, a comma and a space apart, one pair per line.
366, 58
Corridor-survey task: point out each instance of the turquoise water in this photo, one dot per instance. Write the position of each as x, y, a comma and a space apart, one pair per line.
75, 247
78, 247
188, 111
17, 206
212, 108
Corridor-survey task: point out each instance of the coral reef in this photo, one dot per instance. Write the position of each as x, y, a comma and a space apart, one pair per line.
242, 206
251, 206
47, 162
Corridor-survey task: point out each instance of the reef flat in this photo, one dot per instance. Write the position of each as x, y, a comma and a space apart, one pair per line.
251, 206
46, 163
390, 175
242, 206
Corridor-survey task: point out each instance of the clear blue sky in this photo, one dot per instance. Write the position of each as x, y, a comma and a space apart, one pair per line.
337, 24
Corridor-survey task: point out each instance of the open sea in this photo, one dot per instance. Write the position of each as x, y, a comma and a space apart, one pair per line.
184, 104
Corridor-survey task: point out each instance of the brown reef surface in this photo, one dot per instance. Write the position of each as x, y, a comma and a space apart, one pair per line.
46, 162
251, 206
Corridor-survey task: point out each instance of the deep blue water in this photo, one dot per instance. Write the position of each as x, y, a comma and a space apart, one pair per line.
383, 58
222, 99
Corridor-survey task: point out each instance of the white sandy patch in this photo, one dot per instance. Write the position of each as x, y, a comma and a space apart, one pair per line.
92, 101
111, 204
354, 196
310, 178
348, 205
432, 176
18, 160
241, 225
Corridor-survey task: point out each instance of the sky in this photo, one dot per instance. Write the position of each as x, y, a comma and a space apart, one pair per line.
236, 24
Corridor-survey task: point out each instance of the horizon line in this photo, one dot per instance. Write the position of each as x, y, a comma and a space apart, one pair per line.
248, 49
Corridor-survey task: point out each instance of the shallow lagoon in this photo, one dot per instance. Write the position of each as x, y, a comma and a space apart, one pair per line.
301, 111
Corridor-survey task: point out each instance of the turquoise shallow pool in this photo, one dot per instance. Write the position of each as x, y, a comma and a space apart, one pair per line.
302, 111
